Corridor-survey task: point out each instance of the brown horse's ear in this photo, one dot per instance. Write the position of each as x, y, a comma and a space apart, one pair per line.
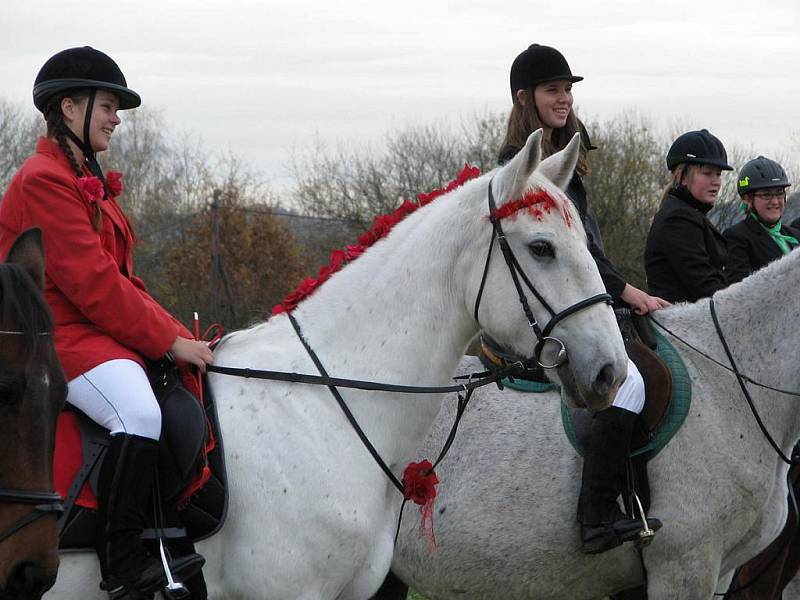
28, 252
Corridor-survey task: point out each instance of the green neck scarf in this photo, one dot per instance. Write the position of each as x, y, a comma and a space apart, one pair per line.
785, 242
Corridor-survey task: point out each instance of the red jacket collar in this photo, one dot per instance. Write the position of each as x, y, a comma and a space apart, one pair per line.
50, 148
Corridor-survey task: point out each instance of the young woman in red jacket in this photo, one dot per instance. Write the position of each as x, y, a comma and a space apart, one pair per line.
106, 322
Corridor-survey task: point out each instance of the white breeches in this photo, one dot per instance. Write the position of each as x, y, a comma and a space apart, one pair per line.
117, 395
630, 395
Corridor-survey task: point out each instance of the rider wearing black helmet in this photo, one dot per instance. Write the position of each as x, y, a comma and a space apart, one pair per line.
761, 236
541, 92
106, 323
685, 254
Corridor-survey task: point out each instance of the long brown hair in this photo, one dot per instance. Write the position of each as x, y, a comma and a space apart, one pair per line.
524, 120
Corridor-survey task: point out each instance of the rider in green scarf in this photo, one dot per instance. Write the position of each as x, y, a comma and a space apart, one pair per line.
761, 236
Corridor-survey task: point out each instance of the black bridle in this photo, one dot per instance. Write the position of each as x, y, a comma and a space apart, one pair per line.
44, 503
542, 333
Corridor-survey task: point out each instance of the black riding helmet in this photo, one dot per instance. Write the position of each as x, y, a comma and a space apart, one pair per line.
538, 64
79, 69
760, 173
82, 68
698, 148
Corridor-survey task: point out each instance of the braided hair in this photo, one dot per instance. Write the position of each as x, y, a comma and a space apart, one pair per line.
56, 128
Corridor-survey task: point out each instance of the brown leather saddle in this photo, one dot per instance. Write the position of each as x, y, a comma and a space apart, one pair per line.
640, 343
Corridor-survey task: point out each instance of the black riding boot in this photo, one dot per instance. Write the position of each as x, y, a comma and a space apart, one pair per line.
603, 524
125, 489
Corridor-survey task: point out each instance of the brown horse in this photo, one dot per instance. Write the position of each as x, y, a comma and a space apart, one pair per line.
32, 391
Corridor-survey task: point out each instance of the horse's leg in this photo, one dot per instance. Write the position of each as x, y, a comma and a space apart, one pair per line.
391, 589
638, 593
367, 578
78, 578
692, 576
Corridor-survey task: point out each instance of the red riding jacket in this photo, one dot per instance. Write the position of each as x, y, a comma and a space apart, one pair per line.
102, 311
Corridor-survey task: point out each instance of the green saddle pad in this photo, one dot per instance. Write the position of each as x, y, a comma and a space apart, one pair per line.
679, 407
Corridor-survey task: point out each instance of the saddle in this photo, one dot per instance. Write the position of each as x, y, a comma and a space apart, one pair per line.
191, 483
667, 402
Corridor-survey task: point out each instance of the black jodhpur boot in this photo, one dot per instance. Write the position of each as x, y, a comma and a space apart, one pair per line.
125, 488
603, 524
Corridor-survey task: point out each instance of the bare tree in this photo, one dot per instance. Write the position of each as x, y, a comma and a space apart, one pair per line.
19, 129
624, 186
358, 184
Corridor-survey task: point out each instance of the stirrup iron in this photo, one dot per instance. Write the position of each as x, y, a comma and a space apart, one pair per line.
174, 590
646, 535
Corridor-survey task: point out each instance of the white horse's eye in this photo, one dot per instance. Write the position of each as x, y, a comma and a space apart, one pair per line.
542, 249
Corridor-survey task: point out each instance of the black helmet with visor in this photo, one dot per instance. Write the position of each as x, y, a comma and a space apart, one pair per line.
698, 148
82, 68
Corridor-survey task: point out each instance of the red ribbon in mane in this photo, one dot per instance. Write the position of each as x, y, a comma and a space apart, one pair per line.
381, 226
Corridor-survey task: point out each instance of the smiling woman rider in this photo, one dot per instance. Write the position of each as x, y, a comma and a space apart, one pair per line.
684, 257
761, 236
541, 93
106, 323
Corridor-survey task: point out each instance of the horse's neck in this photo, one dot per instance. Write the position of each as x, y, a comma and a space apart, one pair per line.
400, 314
399, 311
757, 318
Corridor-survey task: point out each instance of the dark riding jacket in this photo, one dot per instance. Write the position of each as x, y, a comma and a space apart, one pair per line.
684, 257
750, 247
613, 281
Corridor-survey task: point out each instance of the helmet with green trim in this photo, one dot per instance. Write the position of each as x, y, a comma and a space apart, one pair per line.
761, 173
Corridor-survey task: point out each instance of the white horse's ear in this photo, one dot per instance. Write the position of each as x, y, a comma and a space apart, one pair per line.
513, 179
560, 167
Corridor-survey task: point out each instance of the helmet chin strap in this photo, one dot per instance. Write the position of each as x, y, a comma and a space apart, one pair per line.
86, 146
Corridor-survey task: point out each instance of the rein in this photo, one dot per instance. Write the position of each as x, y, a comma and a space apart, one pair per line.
44, 502
542, 335
743, 379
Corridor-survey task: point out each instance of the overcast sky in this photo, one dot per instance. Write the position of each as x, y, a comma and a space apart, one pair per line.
261, 77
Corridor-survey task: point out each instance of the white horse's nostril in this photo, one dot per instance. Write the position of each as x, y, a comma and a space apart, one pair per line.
604, 381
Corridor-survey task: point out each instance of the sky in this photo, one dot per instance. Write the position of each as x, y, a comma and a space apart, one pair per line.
263, 78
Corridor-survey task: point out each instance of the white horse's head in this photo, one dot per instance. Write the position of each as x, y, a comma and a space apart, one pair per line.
548, 242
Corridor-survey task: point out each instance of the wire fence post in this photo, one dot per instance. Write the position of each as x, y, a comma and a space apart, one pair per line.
215, 256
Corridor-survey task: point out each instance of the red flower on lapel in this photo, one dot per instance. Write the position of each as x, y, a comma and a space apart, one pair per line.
114, 183
91, 187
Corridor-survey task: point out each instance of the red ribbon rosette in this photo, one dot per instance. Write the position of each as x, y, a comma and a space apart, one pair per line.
91, 187
419, 486
114, 183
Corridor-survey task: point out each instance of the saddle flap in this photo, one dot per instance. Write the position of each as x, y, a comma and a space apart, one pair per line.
183, 436
657, 384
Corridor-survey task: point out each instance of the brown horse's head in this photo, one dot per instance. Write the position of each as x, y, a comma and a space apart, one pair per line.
32, 393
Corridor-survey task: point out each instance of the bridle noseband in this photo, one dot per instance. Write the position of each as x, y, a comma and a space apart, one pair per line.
542, 333
44, 503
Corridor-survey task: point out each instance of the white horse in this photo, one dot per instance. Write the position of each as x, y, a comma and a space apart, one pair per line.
506, 512
311, 515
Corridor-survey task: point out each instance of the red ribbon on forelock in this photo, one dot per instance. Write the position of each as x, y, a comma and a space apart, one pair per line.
419, 486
